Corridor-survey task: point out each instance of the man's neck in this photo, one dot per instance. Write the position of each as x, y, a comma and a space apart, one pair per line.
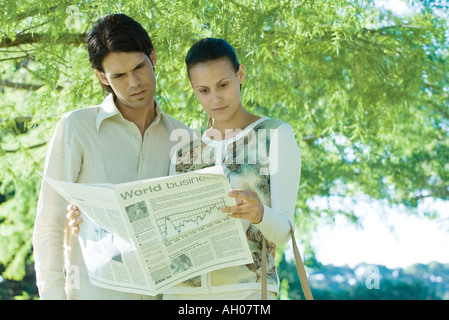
141, 117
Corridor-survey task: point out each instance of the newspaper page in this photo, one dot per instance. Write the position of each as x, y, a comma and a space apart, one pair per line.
147, 236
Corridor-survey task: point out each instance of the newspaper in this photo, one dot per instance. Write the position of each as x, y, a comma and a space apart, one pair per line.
146, 236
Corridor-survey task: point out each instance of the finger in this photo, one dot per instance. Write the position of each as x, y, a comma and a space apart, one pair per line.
71, 207
75, 230
250, 217
75, 222
240, 202
243, 194
237, 209
235, 215
72, 214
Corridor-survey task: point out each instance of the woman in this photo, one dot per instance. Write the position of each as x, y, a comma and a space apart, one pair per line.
260, 157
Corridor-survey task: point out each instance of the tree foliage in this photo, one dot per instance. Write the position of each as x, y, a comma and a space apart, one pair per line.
365, 90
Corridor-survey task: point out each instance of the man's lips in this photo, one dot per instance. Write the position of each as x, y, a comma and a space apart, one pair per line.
138, 94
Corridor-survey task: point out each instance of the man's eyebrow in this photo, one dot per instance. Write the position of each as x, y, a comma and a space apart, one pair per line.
140, 65
115, 75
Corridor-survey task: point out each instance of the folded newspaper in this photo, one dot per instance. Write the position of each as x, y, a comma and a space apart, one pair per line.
147, 236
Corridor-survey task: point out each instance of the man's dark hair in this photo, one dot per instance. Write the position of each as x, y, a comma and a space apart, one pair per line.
208, 49
116, 33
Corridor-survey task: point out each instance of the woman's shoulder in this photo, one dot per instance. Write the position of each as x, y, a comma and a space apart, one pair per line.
269, 123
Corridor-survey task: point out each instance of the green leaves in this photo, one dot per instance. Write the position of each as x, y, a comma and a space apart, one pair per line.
365, 91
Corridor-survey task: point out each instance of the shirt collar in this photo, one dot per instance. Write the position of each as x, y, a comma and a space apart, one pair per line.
218, 143
108, 109
159, 114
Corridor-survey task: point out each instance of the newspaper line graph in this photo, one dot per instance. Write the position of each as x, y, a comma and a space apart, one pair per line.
175, 221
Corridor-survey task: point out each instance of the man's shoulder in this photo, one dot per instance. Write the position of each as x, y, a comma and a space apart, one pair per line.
83, 114
79, 120
177, 124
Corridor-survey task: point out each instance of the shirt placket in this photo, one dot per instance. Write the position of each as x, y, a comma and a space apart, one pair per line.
143, 155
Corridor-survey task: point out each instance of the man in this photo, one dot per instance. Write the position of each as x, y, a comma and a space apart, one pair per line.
125, 138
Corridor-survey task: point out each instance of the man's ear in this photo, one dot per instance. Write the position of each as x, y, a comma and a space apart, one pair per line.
153, 57
101, 77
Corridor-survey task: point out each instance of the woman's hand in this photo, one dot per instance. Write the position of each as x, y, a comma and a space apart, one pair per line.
73, 217
248, 206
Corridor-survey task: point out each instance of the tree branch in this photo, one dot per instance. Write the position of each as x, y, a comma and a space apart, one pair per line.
24, 86
34, 12
26, 119
310, 138
30, 38
405, 26
14, 58
27, 38
439, 109
27, 148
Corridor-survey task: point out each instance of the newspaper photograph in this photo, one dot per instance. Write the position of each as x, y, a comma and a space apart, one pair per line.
149, 235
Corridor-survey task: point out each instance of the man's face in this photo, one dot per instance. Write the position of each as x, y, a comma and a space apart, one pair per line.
131, 76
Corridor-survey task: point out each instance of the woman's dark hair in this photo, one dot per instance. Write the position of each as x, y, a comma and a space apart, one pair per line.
116, 33
208, 49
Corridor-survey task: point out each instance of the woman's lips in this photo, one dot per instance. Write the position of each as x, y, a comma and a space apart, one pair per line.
219, 109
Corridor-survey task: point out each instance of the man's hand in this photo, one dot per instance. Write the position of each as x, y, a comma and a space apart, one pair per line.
73, 217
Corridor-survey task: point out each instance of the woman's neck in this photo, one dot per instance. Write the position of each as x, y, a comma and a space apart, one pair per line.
225, 130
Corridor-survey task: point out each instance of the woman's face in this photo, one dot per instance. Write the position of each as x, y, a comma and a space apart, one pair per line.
217, 87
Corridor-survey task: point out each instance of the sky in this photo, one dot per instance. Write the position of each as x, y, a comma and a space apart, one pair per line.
399, 7
386, 237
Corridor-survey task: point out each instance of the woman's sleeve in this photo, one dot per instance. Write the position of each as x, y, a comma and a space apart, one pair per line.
285, 171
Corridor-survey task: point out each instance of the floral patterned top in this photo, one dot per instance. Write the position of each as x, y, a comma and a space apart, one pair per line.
264, 158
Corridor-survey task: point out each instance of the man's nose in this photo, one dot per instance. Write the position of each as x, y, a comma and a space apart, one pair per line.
133, 80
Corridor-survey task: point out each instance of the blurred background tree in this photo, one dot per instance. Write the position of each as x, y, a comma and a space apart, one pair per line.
365, 91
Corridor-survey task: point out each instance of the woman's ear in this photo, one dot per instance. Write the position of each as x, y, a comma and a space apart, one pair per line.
241, 74
101, 77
